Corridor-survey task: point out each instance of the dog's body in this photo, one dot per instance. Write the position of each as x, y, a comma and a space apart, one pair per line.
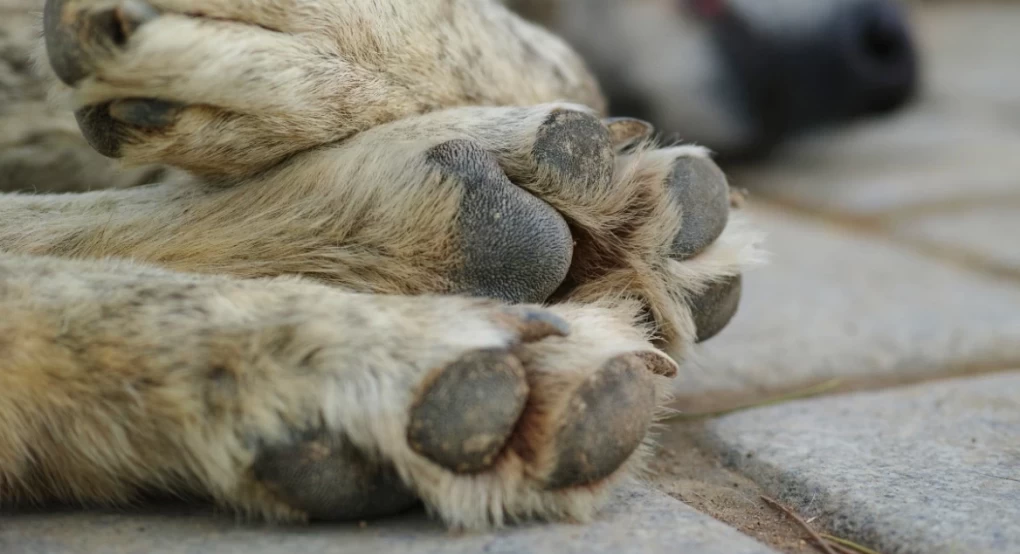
741, 76
265, 329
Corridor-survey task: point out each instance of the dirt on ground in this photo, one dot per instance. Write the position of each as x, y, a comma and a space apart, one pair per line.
683, 470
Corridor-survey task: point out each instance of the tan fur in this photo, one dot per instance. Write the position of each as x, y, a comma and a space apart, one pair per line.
172, 369
327, 82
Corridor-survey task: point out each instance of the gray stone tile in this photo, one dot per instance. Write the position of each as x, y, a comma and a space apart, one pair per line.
921, 156
929, 469
639, 521
834, 305
969, 48
990, 233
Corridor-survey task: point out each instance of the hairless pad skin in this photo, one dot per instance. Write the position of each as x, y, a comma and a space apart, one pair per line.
700, 189
325, 476
516, 248
715, 306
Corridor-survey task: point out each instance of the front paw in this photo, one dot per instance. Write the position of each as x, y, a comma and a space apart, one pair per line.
648, 224
488, 414
658, 228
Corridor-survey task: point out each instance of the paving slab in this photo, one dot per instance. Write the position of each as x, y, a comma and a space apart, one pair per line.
927, 469
969, 48
862, 309
639, 521
920, 157
989, 233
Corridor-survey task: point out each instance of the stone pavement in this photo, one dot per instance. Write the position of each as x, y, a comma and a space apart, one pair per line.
639, 520
895, 281
931, 469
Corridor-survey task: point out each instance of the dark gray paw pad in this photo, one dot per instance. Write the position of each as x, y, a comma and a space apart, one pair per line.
328, 478
69, 36
577, 148
144, 113
699, 187
465, 414
715, 306
100, 130
105, 126
604, 423
515, 247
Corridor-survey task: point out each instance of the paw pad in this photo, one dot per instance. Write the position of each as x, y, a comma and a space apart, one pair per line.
326, 477
516, 248
576, 146
144, 113
605, 421
700, 188
467, 411
715, 306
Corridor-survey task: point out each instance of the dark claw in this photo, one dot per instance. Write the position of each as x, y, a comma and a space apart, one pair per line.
467, 412
626, 131
700, 189
515, 247
328, 478
715, 307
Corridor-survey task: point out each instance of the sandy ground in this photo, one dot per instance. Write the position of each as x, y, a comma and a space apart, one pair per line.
684, 471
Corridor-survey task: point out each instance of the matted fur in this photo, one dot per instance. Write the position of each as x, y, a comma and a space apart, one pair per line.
172, 370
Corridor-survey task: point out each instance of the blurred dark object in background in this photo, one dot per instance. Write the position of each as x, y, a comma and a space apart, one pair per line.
741, 76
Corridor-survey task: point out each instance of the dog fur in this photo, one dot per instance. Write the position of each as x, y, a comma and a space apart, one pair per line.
270, 324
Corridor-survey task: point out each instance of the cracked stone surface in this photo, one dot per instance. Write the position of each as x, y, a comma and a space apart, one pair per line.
926, 469
638, 521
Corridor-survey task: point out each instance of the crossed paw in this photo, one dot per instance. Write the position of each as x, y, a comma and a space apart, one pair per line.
407, 188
